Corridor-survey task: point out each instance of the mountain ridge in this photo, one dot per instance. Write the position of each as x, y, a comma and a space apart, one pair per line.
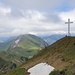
60, 55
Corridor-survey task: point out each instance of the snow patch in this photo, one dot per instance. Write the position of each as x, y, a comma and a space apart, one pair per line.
14, 46
17, 41
41, 69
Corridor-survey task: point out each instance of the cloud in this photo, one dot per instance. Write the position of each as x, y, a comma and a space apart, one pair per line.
41, 5
31, 21
24, 16
4, 11
68, 14
35, 4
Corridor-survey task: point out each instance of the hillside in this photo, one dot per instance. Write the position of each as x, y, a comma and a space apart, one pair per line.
26, 45
4, 46
6, 66
60, 55
5, 42
21, 48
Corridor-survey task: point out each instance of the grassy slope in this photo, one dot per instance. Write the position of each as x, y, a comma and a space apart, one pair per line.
31, 42
18, 71
2, 62
60, 55
4, 46
29, 45
4, 66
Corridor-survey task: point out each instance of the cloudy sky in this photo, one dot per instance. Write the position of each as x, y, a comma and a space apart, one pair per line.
39, 17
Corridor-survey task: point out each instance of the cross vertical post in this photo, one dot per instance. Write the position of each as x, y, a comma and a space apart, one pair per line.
68, 26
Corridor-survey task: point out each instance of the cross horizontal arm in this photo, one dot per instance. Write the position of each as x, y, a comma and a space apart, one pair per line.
71, 22
68, 22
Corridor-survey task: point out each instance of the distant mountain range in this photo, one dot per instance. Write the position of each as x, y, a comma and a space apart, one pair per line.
6, 39
60, 55
50, 39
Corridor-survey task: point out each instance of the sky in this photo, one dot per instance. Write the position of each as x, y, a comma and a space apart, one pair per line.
38, 17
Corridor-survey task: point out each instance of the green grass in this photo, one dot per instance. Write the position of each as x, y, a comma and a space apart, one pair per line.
2, 63
55, 72
31, 42
17, 71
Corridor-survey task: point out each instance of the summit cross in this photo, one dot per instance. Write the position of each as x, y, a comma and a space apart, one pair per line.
69, 22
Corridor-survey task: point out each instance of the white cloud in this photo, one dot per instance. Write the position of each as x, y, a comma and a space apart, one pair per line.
4, 11
31, 21
15, 26
68, 14
20, 20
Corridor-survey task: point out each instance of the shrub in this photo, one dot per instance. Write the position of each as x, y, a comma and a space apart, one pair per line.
55, 72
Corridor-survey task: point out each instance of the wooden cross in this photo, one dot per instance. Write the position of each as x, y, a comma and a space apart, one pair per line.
68, 26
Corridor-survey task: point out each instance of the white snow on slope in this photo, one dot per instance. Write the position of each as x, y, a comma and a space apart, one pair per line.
17, 41
14, 46
41, 69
